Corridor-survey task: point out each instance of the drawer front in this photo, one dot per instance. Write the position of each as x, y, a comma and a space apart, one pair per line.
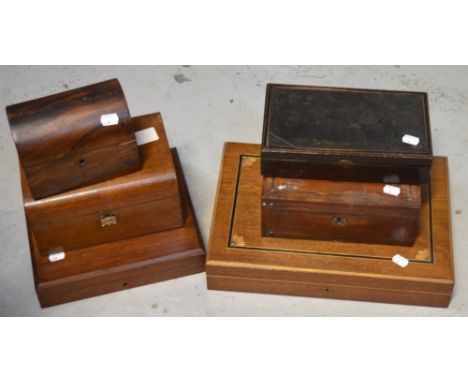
108, 225
401, 230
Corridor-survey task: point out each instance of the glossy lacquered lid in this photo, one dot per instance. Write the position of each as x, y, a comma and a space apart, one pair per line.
54, 127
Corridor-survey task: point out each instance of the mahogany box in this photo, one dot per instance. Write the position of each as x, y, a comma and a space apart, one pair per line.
123, 264
241, 259
340, 210
131, 205
74, 138
346, 134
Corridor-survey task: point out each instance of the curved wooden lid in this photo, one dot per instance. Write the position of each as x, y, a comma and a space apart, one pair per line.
50, 128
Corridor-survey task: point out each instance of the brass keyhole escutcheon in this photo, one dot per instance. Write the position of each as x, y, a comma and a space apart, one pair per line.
340, 221
108, 219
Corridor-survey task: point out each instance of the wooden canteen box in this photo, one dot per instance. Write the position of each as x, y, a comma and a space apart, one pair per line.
75, 138
135, 204
340, 210
346, 134
241, 259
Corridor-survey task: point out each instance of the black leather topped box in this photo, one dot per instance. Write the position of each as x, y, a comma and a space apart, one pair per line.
346, 134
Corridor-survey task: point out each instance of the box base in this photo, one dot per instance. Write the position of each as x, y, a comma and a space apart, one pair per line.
124, 264
340, 292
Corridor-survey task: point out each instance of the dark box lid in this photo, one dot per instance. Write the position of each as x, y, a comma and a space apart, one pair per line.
365, 125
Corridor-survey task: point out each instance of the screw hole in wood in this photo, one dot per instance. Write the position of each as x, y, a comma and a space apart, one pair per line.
340, 221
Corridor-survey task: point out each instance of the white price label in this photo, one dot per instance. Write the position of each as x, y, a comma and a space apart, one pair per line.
391, 190
146, 136
410, 140
400, 260
109, 119
56, 256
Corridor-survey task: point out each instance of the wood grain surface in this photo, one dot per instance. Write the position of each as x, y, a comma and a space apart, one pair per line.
340, 211
62, 143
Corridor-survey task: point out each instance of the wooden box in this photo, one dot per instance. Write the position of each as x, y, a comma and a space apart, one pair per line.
132, 205
340, 210
346, 134
122, 264
240, 258
74, 138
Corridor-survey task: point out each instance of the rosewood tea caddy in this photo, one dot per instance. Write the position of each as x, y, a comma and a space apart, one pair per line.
75, 138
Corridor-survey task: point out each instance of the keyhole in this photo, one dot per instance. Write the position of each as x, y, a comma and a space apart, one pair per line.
339, 221
82, 162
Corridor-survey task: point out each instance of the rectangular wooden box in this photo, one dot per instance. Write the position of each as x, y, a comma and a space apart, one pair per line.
345, 134
74, 138
132, 205
241, 259
123, 264
340, 211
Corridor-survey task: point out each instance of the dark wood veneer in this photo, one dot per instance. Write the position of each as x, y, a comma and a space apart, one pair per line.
62, 143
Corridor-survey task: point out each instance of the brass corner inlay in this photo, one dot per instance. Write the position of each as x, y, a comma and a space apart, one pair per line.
248, 161
422, 254
237, 241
